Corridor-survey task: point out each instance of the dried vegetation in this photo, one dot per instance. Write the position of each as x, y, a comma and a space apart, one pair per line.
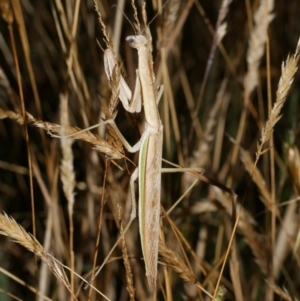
230, 106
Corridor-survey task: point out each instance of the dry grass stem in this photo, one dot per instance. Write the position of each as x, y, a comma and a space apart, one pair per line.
23, 283
67, 176
218, 36
288, 70
79, 134
286, 237
257, 42
66, 168
258, 36
258, 180
129, 276
283, 293
202, 153
293, 165
257, 242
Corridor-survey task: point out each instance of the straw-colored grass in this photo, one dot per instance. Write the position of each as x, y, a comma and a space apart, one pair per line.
230, 106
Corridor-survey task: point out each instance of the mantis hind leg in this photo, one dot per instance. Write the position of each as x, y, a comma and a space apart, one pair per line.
183, 170
133, 178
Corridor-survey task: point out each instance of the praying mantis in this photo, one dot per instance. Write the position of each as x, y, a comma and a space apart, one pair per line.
149, 146
149, 166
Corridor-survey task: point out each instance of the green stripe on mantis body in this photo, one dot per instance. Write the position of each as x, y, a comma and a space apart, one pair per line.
142, 187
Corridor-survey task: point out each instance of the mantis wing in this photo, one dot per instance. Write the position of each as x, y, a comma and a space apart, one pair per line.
149, 200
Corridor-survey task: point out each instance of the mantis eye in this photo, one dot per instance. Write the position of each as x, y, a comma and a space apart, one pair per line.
131, 41
136, 41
